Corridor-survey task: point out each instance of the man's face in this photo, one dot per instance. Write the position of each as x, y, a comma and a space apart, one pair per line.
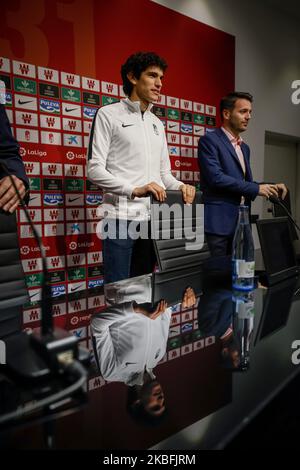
147, 87
238, 117
155, 402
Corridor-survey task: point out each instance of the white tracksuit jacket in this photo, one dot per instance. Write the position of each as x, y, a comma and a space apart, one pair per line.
128, 149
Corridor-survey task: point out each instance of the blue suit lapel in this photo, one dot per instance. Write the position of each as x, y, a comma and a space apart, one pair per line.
229, 146
247, 163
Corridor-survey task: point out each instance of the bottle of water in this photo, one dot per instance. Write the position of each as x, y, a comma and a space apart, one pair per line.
242, 327
243, 265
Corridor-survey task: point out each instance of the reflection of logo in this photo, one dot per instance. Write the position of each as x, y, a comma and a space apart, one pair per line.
186, 327
73, 199
78, 333
73, 245
74, 321
33, 295
95, 283
73, 289
58, 290
25, 250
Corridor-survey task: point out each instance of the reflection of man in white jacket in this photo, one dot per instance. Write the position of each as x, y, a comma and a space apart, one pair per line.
130, 337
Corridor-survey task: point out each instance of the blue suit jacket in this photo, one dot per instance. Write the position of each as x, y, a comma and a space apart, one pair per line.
223, 182
9, 150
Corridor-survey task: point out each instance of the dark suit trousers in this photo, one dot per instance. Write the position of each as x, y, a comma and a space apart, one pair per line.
219, 245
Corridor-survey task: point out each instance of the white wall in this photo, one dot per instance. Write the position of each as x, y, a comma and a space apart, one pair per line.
267, 61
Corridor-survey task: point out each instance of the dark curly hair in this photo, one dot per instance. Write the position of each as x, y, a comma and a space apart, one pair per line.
138, 63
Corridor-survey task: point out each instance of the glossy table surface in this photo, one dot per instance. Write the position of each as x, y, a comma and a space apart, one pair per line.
208, 369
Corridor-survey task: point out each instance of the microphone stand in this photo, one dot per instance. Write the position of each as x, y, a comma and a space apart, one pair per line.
276, 200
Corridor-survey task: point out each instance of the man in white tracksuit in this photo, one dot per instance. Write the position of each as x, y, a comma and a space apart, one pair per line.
128, 158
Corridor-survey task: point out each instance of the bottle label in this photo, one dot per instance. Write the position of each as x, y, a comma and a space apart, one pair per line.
244, 268
245, 309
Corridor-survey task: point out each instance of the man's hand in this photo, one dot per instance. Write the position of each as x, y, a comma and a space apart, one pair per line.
9, 200
188, 193
189, 298
268, 190
151, 312
158, 192
282, 190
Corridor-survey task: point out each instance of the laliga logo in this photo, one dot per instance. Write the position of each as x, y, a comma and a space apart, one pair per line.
74, 321
25, 250
70, 155
73, 245
295, 97
22, 151
177, 163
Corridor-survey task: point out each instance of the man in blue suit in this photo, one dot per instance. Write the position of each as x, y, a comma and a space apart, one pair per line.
225, 173
9, 154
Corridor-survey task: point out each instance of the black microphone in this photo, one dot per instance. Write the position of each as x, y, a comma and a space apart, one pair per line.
276, 200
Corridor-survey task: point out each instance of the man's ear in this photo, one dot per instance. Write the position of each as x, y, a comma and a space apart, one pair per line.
226, 114
131, 78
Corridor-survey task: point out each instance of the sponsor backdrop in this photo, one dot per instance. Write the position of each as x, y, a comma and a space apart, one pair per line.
60, 60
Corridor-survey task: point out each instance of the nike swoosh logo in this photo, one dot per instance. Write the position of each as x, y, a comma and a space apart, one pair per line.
68, 110
25, 102
127, 125
33, 295
73, 289
32, 198
171, 127
73, 199
128, 363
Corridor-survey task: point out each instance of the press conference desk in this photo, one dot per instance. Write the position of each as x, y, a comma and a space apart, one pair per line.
209, 400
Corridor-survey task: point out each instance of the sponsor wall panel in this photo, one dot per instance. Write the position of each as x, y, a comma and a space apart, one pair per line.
52, 98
